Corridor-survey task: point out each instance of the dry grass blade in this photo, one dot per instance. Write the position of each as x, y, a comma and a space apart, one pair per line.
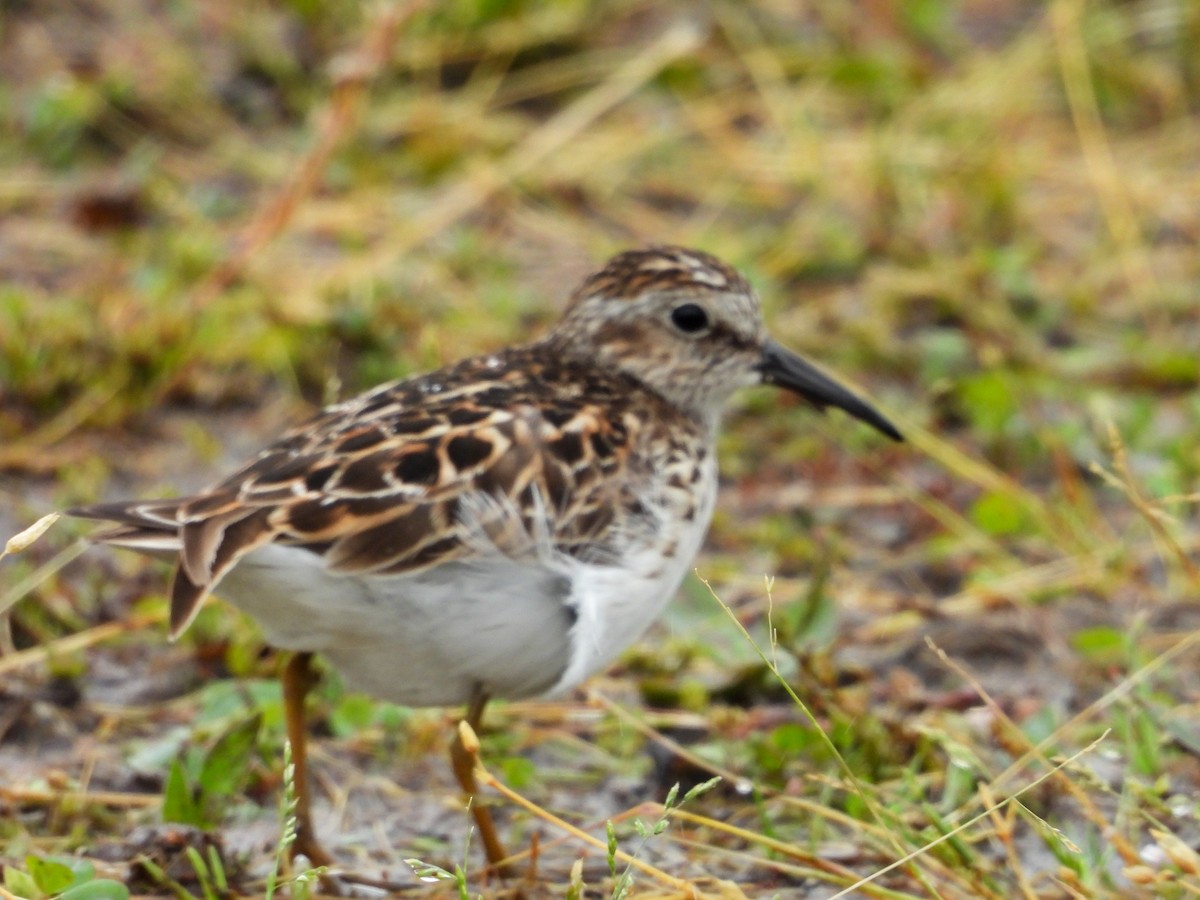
1121, 689
1155, 517
831, 871
483, 776
989, 478
1066, 17
17, 544
40, 575
45, 450
1059, 772
860, 789
352, 75
73, 643
920, 851
48, 797
1002, 827
555, 134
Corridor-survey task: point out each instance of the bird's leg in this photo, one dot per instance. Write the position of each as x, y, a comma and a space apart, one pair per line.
463, 762
298, 677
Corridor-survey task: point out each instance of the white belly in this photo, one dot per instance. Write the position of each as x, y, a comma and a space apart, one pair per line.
432, 639
615, 606
509, 628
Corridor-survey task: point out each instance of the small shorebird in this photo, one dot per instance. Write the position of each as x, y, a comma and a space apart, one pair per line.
502, 527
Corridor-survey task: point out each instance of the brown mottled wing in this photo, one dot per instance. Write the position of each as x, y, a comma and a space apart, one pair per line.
391, 481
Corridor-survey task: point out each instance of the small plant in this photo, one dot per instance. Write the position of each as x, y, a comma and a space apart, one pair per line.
201, 783
210, 874
431, 874
300, 881
624, 882
576, 886
61, 877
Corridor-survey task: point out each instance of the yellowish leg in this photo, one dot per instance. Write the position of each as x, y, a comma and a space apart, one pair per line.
463, 762
298, 677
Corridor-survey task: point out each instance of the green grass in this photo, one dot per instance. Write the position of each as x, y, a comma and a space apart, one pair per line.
214, 216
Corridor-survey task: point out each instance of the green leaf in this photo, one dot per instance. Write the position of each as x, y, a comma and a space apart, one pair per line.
221, 701
200, 867
51, 876
790, 740
178, 803
1100, 644
990, 401
21, 884
100, 889
352, 715
517, 771
226, 763
81, 869
999, 514
217, 867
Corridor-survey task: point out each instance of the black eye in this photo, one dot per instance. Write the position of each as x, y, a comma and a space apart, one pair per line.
690, 318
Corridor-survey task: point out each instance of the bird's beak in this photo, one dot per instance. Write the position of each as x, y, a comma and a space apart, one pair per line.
783, 368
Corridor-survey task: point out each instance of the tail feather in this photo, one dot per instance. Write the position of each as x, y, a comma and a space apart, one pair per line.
151, 515
186, 599
202, 548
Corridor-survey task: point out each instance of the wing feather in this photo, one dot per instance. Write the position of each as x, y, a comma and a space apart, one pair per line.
390, 482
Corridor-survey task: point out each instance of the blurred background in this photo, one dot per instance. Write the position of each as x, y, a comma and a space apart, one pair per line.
985, 214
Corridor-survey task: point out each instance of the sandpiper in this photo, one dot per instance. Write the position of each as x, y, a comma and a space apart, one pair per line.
502, 527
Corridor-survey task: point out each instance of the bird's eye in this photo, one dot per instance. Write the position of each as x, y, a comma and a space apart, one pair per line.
690, 318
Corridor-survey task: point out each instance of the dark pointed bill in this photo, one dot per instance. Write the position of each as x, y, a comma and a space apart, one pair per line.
783, 368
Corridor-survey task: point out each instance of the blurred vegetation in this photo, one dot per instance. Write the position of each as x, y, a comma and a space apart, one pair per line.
986, 213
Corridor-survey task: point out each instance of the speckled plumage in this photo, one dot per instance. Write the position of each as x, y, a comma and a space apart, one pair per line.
503, 526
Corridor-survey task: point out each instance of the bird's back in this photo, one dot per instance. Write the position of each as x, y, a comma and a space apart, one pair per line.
503, 452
